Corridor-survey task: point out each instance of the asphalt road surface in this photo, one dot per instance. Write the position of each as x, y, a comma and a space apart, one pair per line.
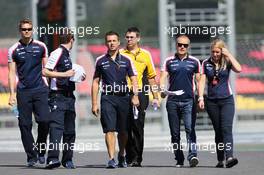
155, 163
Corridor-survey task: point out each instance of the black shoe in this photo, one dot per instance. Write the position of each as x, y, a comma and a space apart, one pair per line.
220, 164
122, 162
230, 162
53, 164
69, 165
136, 164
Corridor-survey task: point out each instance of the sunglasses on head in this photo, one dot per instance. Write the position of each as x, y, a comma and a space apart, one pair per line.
26, 29
181, 44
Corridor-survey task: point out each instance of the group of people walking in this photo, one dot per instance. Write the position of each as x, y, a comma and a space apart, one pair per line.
123, 75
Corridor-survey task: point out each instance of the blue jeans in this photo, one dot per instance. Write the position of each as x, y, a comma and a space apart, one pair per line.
178, 110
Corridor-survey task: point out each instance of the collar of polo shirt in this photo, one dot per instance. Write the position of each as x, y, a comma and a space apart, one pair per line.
177, 56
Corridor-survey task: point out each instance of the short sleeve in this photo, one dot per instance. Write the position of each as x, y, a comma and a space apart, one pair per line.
53, 59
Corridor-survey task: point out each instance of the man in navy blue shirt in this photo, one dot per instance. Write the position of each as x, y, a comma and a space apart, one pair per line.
112, 69
61, 101
28, 56
181, 69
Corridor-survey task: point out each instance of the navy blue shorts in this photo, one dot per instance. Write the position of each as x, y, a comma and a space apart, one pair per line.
114, 113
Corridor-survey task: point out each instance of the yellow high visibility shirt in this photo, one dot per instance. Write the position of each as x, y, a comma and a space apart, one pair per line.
142, 61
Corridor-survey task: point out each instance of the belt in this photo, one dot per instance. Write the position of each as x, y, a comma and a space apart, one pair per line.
62, 92
121, 94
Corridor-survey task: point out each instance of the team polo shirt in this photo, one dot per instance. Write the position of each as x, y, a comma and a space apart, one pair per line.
60, 61
113, 72
143, 62
222, 89
182, 74
28, 59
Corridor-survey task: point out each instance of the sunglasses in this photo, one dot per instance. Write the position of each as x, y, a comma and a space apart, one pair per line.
130, 37
184, 45
26, 29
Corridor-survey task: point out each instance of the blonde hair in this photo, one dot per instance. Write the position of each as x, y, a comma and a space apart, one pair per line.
218, 43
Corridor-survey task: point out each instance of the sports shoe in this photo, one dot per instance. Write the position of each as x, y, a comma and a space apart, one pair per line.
136, 164
53, 164
122, 162
231, 161
69, 165
41, 159
31, 162
111, 164
179, 164
194, 162
220, 164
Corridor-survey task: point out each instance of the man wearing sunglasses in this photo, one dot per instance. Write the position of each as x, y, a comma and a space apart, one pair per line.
26, 58
181, 69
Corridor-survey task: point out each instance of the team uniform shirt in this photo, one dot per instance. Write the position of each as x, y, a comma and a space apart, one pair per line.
113, 72
181, 75
60, 61
28, 59
143, 62
222, 88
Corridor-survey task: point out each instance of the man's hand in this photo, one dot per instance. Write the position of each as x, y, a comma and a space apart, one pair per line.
69, 73
135, 100
201, 104
95, 110
12, 99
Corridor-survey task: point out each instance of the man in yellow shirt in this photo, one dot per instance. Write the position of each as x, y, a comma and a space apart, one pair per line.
146, 75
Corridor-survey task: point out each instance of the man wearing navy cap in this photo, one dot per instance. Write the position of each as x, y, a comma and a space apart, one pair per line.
112, 69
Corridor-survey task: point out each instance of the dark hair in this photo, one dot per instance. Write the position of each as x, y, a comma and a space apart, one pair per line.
134, 29
65, 35
111, 33
24, 21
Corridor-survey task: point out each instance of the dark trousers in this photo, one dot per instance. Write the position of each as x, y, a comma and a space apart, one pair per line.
193, 147
135, 143
221, 112
36, 102
178, 110
62, 124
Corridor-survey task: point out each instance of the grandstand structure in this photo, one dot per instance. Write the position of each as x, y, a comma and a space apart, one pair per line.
250, 82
